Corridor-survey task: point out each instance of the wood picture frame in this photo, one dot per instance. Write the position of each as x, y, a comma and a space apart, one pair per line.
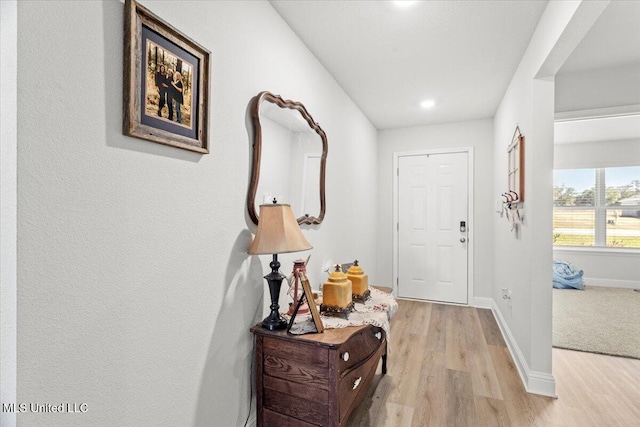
307, 294
152, 48
515, 153
313, 308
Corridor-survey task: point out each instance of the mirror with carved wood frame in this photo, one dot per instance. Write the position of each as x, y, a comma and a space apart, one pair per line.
289, 158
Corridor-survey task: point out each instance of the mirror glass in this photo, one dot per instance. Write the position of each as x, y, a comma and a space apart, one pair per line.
289, 159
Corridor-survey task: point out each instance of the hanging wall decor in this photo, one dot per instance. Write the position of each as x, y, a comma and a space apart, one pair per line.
516, 166
166, 82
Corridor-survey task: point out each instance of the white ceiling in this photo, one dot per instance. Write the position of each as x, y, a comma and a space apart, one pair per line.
461, 53
388, 59
613, 41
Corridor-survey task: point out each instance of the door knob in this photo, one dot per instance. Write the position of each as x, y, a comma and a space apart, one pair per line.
462, 239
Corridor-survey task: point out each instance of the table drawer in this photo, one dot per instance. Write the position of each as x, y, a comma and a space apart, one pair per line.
355, 382
274, 419
295, 371
295, 407
307, 354
359, 347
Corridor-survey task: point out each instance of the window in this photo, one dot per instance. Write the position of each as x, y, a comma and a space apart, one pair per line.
597, 207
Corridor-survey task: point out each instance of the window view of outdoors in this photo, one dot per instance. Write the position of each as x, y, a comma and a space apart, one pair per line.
623, 192
597, 207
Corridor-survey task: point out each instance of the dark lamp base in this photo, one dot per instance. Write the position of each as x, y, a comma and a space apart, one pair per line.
274, 324
274, 279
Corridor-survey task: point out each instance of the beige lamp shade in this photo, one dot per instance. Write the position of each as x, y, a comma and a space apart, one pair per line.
278, 232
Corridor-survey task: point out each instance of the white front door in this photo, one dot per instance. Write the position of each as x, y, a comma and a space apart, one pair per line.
432, 226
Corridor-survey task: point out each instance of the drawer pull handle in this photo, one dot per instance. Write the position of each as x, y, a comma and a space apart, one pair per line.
356, 383
345, 356
379, 335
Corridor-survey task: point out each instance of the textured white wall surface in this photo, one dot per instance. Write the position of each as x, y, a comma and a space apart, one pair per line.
8, 208
598, 88
522, 261
600, 154
477, 134
135, 292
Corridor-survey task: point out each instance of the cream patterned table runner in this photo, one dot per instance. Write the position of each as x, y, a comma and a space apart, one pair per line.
377, 311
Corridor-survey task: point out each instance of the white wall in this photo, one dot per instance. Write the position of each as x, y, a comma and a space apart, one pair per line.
598, 88
477, 134
8, 204
612, 268
522, 262
597, 154
135, 292
602, 267
600, 154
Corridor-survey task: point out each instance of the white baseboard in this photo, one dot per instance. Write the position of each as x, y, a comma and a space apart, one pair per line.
612, 283
482, 302
542, 383
534, 382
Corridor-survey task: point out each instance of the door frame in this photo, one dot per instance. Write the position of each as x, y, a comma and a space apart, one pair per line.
470, 218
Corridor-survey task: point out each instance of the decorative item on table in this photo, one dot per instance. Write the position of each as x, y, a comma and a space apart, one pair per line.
299, 265
278, 233
359, 282
337, 295
307, 295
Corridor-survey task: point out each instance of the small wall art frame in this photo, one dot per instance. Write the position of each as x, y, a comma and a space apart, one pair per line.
515, 153
307, 295
166, 82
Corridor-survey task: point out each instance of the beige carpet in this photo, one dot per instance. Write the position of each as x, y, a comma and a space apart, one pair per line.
597, 320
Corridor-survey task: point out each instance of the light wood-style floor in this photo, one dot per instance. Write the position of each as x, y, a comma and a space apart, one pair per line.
449, 366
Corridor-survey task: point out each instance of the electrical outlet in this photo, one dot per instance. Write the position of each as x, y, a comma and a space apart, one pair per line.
506, 295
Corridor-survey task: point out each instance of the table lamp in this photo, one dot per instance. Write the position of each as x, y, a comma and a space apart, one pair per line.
278, 233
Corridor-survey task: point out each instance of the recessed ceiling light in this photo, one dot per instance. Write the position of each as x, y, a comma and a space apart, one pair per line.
404, 3
427, 103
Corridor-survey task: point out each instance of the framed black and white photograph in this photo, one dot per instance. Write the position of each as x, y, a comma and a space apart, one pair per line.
166, 82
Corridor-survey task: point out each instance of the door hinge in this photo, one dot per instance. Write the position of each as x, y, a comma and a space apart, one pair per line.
397, 171
397, 226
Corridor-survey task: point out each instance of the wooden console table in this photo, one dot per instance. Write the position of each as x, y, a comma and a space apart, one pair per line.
315, 379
